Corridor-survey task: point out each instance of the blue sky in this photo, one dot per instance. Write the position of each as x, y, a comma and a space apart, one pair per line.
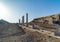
35, 8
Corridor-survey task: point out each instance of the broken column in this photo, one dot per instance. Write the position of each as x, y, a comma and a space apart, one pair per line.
26, 19
22, 20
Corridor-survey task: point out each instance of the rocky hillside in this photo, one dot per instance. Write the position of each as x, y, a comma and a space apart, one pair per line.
9, 29
11, 32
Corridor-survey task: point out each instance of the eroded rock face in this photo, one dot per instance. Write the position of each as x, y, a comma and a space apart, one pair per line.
57, 32
46, 20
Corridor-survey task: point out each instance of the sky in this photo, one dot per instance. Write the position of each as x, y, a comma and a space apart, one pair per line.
12, 10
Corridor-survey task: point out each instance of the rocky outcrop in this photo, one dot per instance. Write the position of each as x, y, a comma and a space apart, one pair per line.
46, 20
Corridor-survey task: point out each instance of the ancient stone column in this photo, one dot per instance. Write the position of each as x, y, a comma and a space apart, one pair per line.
22, 20
26, 19
19, 21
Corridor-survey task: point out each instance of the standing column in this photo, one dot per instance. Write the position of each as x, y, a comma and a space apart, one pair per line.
26, 19
22, 20
19, 21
